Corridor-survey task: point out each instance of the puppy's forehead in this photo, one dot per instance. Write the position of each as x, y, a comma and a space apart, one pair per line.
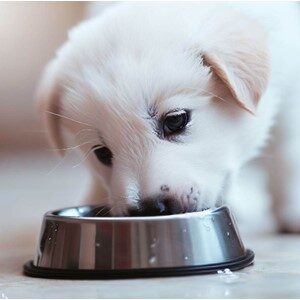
126, 77
129, 67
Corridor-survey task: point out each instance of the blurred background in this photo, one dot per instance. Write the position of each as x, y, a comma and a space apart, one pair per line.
30, 33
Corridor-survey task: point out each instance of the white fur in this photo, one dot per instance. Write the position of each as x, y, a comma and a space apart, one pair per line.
216, 61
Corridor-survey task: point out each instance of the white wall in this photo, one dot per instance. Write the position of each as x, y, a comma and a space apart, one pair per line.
29, 34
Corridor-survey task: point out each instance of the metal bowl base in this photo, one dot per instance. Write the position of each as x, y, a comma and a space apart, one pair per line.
30, 269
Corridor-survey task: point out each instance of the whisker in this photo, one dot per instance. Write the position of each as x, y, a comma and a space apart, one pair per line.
97, 214
120, 201
210, 93
57, 165
86, 156
214, 95
73, 147
116, 205
85, 129
68, 118
86, 138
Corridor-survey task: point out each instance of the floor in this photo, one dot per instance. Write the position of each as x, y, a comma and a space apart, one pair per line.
32, 183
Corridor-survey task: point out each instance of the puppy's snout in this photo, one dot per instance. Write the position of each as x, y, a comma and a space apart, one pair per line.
159, 206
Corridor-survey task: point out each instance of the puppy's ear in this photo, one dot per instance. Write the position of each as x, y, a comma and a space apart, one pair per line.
48, 98
241, 66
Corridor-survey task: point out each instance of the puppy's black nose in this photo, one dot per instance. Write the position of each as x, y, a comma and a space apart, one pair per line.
157, 207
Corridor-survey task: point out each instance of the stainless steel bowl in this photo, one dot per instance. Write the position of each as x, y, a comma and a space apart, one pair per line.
83, 242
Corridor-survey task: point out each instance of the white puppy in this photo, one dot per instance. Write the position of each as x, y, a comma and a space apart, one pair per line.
169, 100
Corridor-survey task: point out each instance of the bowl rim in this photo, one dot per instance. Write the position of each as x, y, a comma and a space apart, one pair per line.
199, 214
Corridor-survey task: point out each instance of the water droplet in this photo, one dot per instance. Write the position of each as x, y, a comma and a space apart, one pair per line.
55, 229
153, 244
186, 258
229, 224
152, 260
97, 244
227, 233
49, 238
184, 230
228, 276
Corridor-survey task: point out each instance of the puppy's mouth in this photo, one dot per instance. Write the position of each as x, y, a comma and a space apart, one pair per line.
145, 209
161, 207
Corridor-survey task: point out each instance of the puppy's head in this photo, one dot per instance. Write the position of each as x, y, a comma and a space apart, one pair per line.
164, 112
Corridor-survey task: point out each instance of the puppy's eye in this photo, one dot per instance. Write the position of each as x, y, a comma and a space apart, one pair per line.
175, 122
104, 155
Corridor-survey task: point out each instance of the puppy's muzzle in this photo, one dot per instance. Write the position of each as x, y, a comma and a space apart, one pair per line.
158, 206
